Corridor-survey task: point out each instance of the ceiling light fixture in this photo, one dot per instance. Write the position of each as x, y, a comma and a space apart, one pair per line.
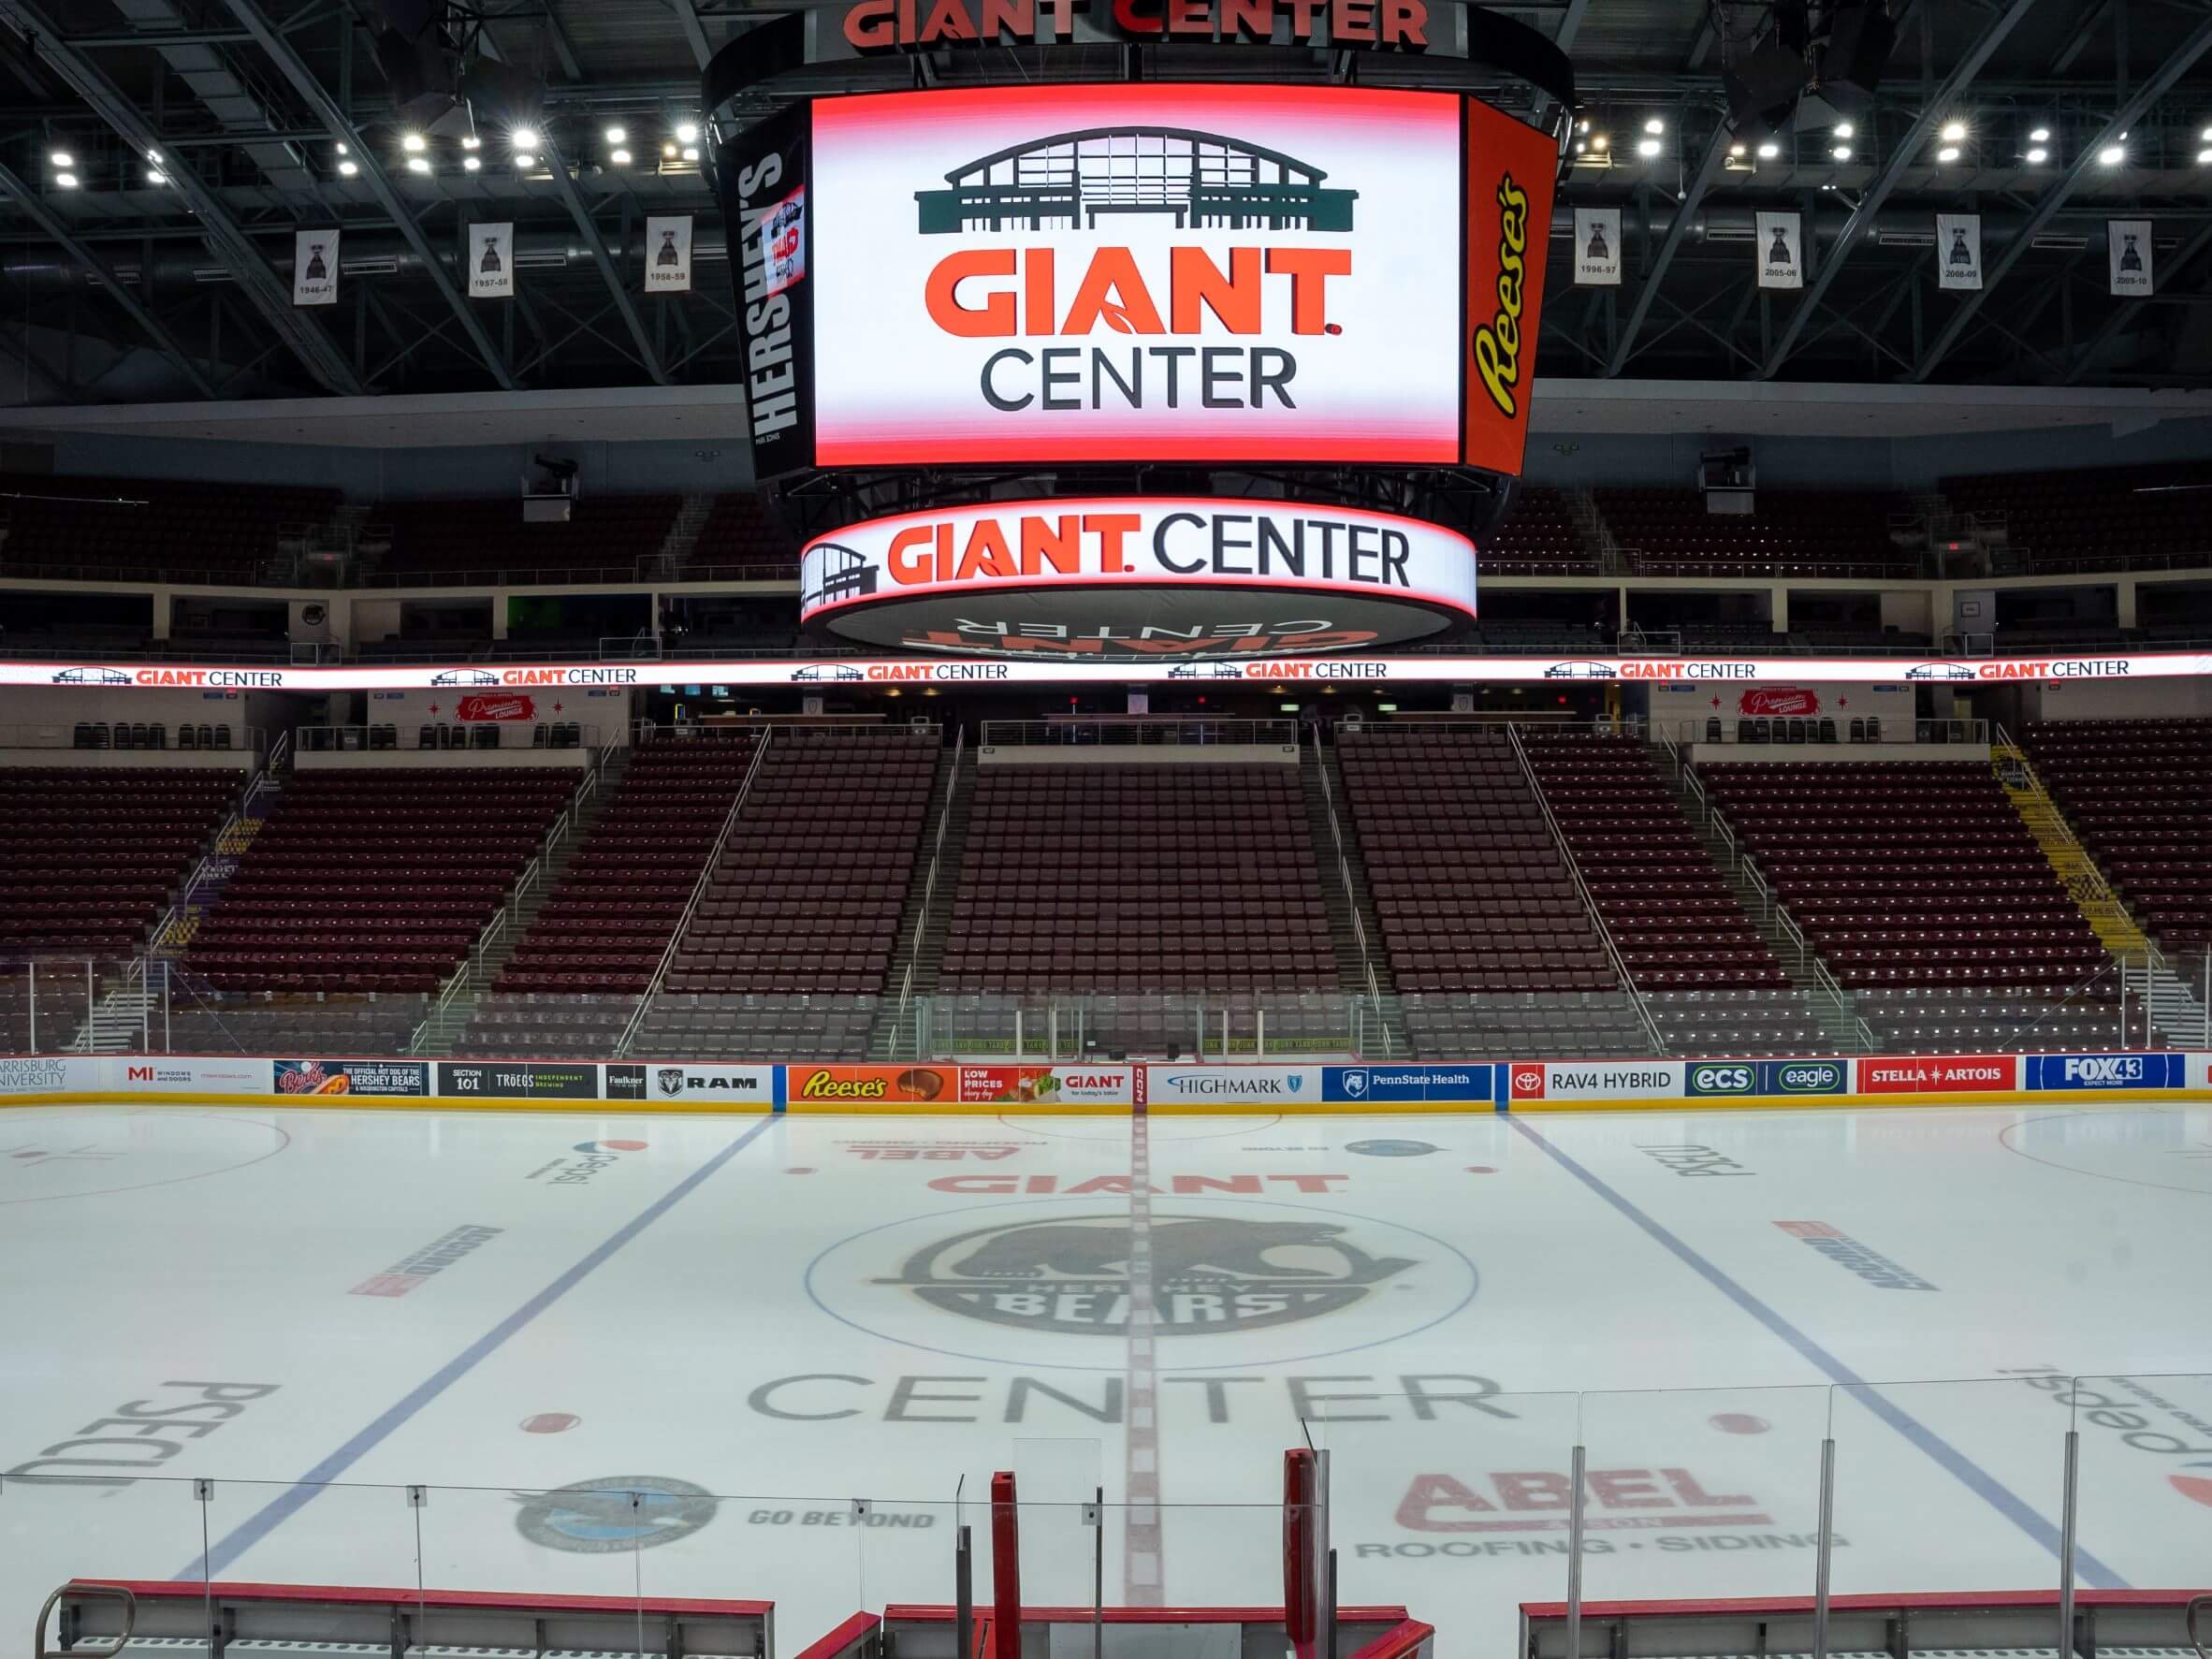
2038, 155
1954, 132
416, 164
1599, 143
687, 132
1738, 150
1845, 130
67, 181
2111, 156
155, 176
617, 135
2041, 134
346, 169
1647, 148
1842, 152
414, 143
469, 164
2205, 159
691, 155
523, 137
668, 149
62, 158
620, 158
1948, 153
471, 141
1655, 126
1769, 150
524, 159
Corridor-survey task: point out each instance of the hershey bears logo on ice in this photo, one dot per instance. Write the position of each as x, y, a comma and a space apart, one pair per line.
1210, 1273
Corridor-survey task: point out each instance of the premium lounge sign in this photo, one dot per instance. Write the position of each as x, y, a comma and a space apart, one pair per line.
1150, 578
1251, 273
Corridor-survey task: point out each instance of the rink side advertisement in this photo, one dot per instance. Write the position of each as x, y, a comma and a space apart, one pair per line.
1284, 1087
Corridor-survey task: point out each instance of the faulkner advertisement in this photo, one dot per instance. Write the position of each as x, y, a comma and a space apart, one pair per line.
762, 177
1116, 272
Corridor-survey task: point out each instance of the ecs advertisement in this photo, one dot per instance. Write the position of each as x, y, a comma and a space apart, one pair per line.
1183, 272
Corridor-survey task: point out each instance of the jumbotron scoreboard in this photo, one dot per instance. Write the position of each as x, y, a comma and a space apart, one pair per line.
1236, 364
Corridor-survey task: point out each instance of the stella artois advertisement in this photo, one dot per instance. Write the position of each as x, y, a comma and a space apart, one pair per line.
1186, 272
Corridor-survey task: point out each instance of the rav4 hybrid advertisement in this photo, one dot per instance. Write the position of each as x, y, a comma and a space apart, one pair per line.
1055, 274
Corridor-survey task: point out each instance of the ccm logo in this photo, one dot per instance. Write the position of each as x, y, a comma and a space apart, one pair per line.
1528, 1083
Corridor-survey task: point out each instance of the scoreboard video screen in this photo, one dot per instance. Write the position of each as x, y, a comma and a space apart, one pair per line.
1107, 273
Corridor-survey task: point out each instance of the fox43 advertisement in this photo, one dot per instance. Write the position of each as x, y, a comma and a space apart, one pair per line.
761, 176
1177, 271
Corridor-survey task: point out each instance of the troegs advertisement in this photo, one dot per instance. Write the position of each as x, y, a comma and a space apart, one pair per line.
1115, 272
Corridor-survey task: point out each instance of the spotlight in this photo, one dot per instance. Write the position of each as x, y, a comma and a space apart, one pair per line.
62, 158
1647, 148
471, 141
1581, 127
2038, 155
1737, 152
1599, 143
1842, 152
346, 169
620, 158
1844, 129
469, 164
155, 155
616, 135
416, 164
67, 181
1954, 132
1655, 126
341, 150
523, 137
1580, 147
155, 176
668, 149
692, 153
2205, 137
1769, 150
2112, 155
2041, 134
412, 143
525, 160
687, 132
1948, 153
2205, 159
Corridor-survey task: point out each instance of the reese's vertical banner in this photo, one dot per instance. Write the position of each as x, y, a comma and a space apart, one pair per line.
1510, 170
762, 178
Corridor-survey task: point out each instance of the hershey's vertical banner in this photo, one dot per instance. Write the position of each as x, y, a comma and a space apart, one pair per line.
315, 267
668, 254
1780, 251
490, 250
2128, 252
1598, 247
762, 177
1959, 250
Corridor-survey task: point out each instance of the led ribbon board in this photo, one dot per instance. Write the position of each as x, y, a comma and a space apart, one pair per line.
1193, 273
1181, 577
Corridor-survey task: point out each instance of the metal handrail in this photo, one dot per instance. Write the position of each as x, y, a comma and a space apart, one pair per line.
1566, 855
937, 853
109, 1592
2094, 885
698, 887
510, 911
278, 757
1344, 871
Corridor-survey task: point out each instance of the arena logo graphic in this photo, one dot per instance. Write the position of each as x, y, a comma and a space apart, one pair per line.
1210, 1273
614, 1515
2144, 1419
596, 1157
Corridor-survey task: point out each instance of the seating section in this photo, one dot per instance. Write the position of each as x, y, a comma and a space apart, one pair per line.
1138, 878
572, 986
2139, 794
1920, 876
1667, 532
447, 541
90, 858
1539, 538
378, 880
1675, 921
739, 531
144, 530
1485, 935
300, 1024
799, 919
2101, 518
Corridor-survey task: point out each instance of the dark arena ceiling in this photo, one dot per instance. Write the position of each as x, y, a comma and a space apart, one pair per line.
199, 135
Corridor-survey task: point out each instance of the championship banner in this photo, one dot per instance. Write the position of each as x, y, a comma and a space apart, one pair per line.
1183, 272
1598, 247
668, 254
1959, 250
315, 267
491, 261
1780, 251
762, 175
2128, 252
1185, 575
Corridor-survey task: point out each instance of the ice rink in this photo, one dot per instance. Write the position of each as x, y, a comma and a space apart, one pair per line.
756, 1322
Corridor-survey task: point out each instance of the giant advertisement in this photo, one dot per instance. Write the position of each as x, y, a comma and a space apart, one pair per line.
1188, 273
1199, 577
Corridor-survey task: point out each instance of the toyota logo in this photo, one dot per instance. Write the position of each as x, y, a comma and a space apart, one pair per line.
1528, 1080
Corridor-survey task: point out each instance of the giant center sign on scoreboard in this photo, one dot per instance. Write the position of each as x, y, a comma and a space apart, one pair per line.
1195, 576
1103, 273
